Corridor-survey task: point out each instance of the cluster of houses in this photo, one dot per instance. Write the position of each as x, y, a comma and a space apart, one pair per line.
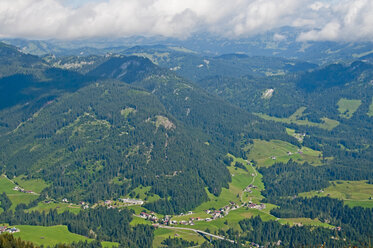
85, 205
288, 153
129, 201
215, 214
252, 244
184, 222
338, 228
149, 216
300, 136
4, 229
249, 188
125, 201
260, 206
17, 188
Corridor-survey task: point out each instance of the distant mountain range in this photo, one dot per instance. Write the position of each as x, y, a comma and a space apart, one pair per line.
280, 42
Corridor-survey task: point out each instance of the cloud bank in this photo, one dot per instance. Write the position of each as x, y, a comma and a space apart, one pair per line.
345, 20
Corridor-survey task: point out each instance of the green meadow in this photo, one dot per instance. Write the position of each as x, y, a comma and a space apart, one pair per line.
266, 153
35, 185
142, 192
353, 193
60, 207
295, 118
52, 235
370, 112
304, 222
161, 234
347, 107
15, 197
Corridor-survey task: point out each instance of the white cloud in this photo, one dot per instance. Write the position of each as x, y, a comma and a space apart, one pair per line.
279, 37
71, 19
346, 20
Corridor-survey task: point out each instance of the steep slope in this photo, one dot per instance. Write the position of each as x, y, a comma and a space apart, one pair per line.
27, 83
12, 61
126, 68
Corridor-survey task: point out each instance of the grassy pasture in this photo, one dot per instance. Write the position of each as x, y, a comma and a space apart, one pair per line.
137, 220
60, 207
370, 112
142, 192
347, 107
52, 235
353, 193
304, 222
7, 186
264, 153
295, 118
161, 234
15, 197
35, 185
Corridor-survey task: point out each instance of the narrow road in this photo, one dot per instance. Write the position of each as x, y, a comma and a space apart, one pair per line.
197, 231
253, 180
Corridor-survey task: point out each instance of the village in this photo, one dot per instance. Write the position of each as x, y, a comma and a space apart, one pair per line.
215, 214
17, 188
121, 202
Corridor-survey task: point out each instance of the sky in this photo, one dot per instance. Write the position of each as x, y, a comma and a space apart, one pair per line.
327, 20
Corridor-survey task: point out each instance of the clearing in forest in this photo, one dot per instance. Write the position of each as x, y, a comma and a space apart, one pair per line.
348, 107
353, 193
266, 153
297, 118
370, 112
